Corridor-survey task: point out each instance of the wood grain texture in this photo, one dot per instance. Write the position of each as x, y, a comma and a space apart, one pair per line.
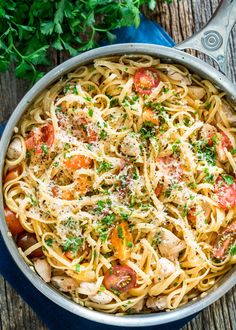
181, 20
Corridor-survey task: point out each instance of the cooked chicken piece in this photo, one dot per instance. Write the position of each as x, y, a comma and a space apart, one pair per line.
229, 113
170, 245
157, 303
99, 298
196, 92
139, 306
89, 288
179, 77
130, 146
167, 267
207, 132
64, 283
15, 149
43, 268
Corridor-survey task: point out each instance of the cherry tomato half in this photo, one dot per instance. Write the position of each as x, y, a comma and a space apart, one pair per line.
224, 240
25, 241
78, 161
13, 222
145, 80
225, 193
120, 279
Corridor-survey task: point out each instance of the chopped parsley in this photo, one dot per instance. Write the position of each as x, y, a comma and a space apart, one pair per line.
72, 244
87, 98
129, 244
100, 207
66, 146
148, 130
103, 134
104, 166
120, 232
66, 88
232, 250
108, 219
44, 147
135, 176
175, 147
168, 192
228, 179
78, 268
33, 201
185, 210
55, 164
205, 152
165, 89
114, 102
208, 177
157, 239
208, 105
75, 90
124, 215
49, 241
233, 151
90, 112
91, 88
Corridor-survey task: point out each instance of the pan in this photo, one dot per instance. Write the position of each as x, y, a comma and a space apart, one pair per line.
211, 40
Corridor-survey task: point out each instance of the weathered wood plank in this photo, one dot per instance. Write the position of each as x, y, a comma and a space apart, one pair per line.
180, 20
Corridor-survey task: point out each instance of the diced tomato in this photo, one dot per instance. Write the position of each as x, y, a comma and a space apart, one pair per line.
13, 174
67, 195
149, 115
225, 141
225, 193
158, 189
223, 241
78, 161
25, 241
191, 216
45, 135
121, 240
71, 255
145, 80
92, 135
13, 222
120, 279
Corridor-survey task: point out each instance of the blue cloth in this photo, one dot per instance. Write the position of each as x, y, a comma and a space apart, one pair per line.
54, 316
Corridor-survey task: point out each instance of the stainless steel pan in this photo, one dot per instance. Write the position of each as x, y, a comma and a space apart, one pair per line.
211, 40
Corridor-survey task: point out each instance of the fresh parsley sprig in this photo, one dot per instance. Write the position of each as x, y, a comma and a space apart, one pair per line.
29, 29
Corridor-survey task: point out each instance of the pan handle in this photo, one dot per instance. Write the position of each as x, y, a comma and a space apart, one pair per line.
212, 39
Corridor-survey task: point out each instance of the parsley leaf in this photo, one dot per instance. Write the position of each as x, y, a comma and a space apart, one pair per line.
72, 244
228, 179
104, 166
232, 250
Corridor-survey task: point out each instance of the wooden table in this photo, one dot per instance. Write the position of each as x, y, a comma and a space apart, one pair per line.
180, 20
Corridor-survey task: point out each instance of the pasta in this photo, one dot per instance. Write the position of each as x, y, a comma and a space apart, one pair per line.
119, 185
